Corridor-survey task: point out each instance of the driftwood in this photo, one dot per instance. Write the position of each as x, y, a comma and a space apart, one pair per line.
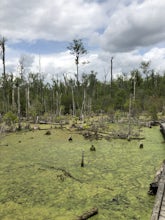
88, 214
92, 135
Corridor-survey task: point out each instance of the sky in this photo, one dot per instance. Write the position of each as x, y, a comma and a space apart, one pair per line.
39, 31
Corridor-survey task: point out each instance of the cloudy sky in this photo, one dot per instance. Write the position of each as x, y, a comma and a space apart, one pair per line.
131, 31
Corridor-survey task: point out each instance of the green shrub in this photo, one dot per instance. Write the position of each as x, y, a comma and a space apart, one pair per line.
10, 118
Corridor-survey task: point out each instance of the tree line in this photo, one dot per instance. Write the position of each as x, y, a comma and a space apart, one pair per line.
31, 96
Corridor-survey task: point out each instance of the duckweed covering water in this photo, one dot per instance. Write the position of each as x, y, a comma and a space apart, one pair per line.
41, 176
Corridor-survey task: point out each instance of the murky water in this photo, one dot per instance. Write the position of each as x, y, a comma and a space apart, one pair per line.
41, 177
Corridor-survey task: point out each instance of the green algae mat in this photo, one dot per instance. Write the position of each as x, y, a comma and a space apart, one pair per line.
41, 177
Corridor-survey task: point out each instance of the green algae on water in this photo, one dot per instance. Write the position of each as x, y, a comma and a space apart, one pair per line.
41, 177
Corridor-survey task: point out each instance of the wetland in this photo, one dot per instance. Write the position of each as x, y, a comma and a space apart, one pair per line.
41, 176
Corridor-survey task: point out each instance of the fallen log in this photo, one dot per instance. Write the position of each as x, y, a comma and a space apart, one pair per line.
65, 173
88, 214
3, 145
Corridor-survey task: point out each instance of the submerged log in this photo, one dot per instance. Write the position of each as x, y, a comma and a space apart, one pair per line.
65, 173
3, 144
88, 214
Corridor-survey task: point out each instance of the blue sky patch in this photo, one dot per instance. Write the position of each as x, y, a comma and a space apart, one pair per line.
40, 46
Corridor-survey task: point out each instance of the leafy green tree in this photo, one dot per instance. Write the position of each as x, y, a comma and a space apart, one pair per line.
77, 48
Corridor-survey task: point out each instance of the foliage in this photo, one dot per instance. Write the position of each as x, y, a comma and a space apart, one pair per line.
10, 118
61, 97
153, 113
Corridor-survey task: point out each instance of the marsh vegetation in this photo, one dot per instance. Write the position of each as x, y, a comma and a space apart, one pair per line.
41, 175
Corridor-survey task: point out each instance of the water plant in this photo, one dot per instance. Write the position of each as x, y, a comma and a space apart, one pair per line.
41, 176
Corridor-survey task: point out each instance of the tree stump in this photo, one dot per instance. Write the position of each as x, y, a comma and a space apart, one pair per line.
141, 145
92, 148
82, 159
154, 185
70, 139
48, 133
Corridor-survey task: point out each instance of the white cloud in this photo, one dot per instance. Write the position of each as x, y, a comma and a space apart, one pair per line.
128, 30
157, 57
134, 26
47, 19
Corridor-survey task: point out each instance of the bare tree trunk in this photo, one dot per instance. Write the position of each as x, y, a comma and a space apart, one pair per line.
27, 100
19, 105
73, 102
89, 106
58, 104
111, 70
13, 99
53, 100
134, 88
2, 45
77, 70
83, 108
130, 108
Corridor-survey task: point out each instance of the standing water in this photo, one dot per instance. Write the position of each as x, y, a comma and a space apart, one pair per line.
41, 176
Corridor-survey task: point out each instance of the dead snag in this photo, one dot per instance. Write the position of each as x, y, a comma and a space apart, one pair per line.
88, 214
82, 159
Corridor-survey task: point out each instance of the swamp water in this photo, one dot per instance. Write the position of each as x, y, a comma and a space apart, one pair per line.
41, 177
